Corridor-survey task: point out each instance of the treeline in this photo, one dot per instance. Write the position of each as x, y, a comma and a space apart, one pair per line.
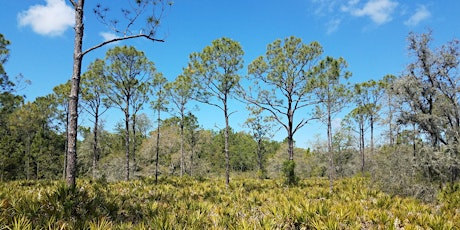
415, 118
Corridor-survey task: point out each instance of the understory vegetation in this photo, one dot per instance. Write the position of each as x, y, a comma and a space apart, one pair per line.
187, 203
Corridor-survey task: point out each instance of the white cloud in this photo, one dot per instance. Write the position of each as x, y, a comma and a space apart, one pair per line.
51, 19
379, 11
333, 25
420, 14
324, 7
108, 36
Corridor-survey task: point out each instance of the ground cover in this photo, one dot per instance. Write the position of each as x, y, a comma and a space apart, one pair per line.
187, 203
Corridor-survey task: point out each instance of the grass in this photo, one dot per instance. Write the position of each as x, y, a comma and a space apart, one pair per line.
185, 203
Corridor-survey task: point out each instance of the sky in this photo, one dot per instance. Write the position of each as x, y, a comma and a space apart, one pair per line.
369, 34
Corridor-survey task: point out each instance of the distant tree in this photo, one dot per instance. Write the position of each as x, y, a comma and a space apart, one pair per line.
34, 128
180, 92
215, 74
355, 121
159, 105
143, 125
333, 96
387, 84
261, 130
5, 83
9, 103
192, 136
368, 96
128, 78
282, 81
429, 92
142, 19
61, 93
93, 83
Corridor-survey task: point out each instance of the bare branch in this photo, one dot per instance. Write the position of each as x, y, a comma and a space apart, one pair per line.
120, 39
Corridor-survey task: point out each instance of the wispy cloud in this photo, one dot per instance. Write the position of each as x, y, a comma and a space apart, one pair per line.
108, 36
333, 25
420, 14
380, 11
324, 7
51, 19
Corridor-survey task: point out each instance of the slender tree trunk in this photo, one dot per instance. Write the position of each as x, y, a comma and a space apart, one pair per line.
361, 143
371, 120
227, 155
134, 141
127, 143
260, 158
66, 151
29, 140
191, 161
390, 120
290, 132
329, 147
158, 145
182, 166
95, 149
73, 98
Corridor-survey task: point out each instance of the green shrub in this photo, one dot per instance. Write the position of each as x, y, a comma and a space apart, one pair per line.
289, 173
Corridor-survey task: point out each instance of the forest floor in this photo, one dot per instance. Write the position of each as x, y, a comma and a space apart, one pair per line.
188, 203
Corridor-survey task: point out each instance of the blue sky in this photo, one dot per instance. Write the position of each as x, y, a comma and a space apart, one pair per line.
369, 34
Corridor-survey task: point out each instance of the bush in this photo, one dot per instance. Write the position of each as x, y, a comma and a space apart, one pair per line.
289, 173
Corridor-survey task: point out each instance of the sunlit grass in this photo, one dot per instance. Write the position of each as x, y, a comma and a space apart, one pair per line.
186, 203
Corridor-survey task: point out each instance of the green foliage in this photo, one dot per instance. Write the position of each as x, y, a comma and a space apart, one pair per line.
289, 173
185, 203
429, 96
282, 83
5, 83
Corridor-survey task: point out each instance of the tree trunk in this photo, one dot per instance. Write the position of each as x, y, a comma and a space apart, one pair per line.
227, 155
371, 120
390, 120
329, 147
361, 143
95, 149
134, 141
73, 98
182, 166
290, 132
127, 141
158, 145
260, 158
66, 151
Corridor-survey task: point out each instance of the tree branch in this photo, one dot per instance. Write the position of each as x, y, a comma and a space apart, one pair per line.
121, 39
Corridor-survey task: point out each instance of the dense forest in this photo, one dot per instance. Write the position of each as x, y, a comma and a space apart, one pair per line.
399, 134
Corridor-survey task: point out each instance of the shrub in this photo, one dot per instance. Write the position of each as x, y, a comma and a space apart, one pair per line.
289, 173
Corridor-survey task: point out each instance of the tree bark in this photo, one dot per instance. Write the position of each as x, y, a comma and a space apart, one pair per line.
134, 141
127, 141
182, 166
66, 151
158, 145
371, 121
227, 154
95, 149
361, 143
329, 146
290, 134
73, 98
